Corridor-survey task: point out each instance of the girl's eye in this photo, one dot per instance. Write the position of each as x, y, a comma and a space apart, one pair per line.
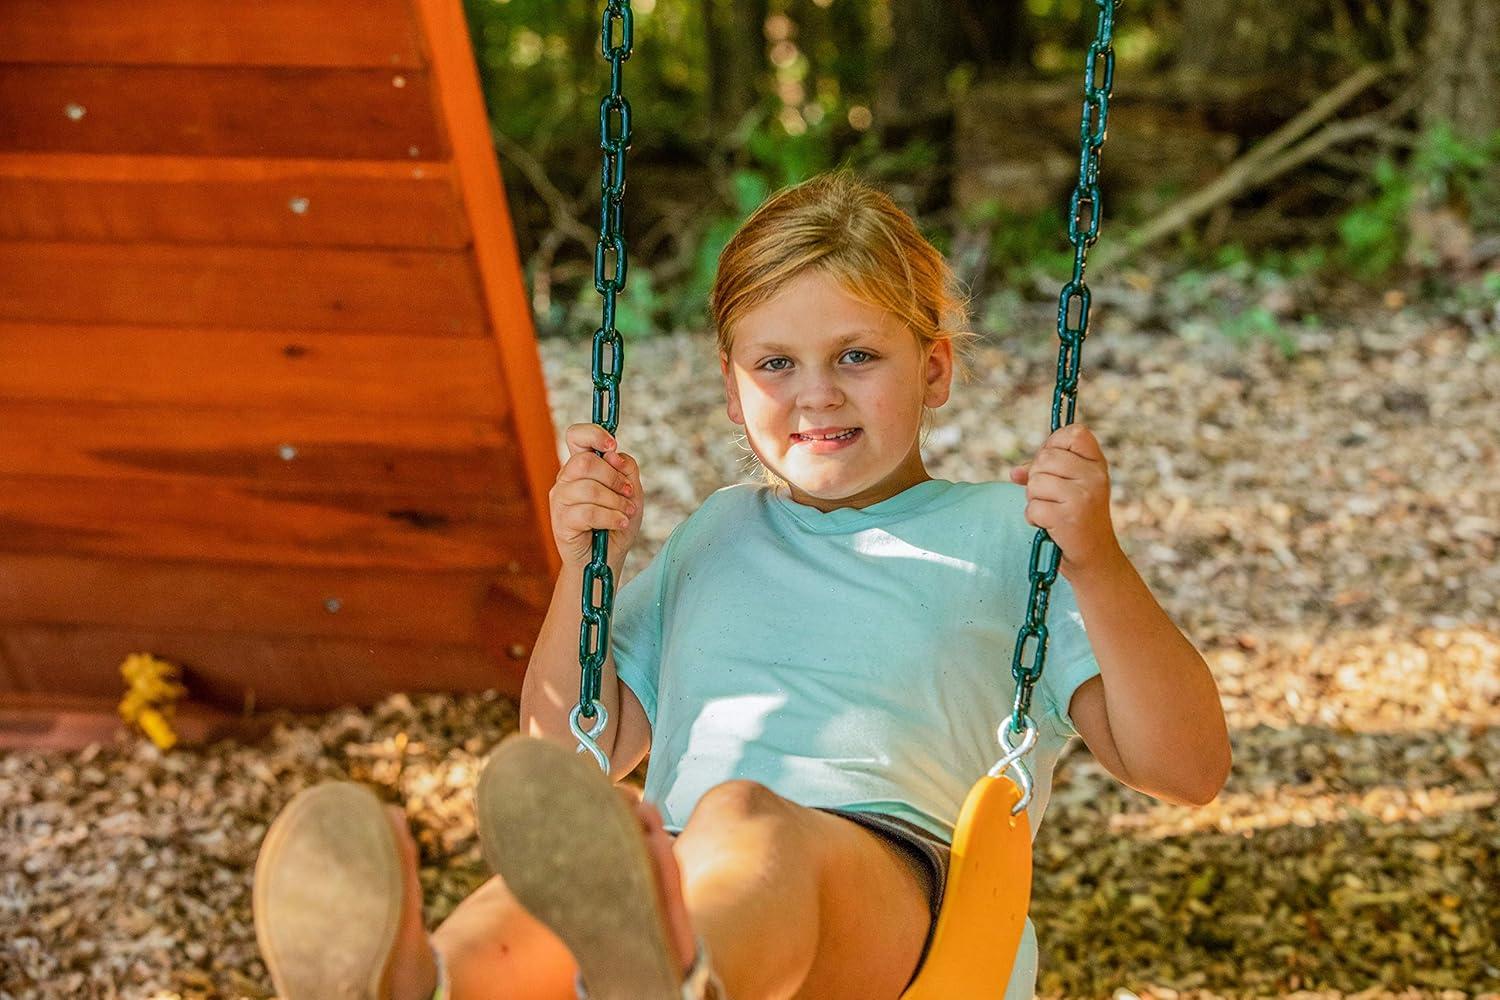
771, 364
867, 354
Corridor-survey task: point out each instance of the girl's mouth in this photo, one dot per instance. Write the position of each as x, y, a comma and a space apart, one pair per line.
824, 444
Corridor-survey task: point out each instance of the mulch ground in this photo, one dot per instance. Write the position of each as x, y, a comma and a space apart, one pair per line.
1324, 526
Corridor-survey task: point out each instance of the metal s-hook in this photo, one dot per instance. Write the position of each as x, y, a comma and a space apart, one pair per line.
1012, 761
588, 740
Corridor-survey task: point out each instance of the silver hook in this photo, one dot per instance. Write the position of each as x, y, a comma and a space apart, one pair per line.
1012, 760
587, 740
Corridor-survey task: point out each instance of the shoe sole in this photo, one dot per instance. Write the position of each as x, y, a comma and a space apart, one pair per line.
571, 851
327, 900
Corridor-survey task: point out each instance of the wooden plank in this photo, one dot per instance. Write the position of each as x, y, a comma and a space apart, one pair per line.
210, 111
69, 722
264, 449
164, 199
501, 608
407, 291
298, 373
461, 108
233, 671
329, 526
373, 33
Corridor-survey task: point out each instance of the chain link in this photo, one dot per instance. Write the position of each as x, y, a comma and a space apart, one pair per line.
608, 355
1084, 213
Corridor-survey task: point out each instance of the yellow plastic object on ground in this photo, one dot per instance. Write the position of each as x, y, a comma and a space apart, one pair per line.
984, 908
151, 694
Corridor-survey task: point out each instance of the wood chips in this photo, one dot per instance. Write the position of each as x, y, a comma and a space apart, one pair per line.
1324, 527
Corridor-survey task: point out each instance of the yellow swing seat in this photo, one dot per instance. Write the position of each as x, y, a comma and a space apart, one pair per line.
988, 895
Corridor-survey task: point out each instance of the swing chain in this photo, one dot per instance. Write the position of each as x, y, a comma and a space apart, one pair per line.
1084, 213
608, 366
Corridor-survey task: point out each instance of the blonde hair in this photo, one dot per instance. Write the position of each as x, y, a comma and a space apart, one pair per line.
857, 234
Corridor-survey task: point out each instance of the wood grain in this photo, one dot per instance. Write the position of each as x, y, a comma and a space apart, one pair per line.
501, 608
329, 526
174, 199
219, 111
235, 670
287, 371
259, 448
373, 33
435, 293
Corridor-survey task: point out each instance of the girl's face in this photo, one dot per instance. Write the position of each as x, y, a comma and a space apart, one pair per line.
815, 363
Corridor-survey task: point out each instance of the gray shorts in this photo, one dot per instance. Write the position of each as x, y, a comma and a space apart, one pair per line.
929, 852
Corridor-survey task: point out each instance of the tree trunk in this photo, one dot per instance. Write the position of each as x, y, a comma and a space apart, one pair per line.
1462, 78
926, 44
735, 31
1242, 38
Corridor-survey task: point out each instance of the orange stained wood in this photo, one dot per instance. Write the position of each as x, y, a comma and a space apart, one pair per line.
367, 114
295, 372
355, 33
390, 291
460, 100
494, 607
183, 199
230, 669
331, 524
66, 722
271, 403
258, 448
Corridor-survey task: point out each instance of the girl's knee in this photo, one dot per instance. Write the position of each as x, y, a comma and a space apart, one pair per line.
745, 816
737, 801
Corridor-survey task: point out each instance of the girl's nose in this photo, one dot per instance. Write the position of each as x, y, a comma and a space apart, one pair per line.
820, 391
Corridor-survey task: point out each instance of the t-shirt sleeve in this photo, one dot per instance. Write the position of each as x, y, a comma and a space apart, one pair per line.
1070, 657
636, 629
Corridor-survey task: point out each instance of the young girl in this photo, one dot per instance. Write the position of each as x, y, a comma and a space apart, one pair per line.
818, 665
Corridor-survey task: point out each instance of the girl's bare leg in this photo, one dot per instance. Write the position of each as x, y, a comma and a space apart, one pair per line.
792, 902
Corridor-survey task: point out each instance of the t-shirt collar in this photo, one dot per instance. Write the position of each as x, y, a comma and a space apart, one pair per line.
850, 518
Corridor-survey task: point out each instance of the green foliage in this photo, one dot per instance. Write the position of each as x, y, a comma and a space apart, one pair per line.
1258, 322
1441, 169
1025, 244
1373, 234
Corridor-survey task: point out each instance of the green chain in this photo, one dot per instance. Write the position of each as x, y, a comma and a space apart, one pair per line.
1084, 212
609, 362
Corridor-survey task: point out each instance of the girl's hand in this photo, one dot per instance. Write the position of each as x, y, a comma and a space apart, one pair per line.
1067, 494
593, 492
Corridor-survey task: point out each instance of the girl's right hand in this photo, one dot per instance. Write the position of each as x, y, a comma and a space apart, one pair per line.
593, 492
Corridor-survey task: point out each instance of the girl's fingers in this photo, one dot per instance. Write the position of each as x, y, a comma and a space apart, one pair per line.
588, 516
585, 492
1063, 463
582, 438
1046, 486
1043, 513
588, 467
1078, 439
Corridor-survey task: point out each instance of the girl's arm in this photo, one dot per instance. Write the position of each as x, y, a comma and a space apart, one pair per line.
1152, 718
594, 491
550, 689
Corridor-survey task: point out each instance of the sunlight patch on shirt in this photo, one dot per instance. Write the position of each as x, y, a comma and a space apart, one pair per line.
884, 545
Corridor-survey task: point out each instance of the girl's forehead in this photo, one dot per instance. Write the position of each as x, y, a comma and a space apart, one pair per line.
815, 322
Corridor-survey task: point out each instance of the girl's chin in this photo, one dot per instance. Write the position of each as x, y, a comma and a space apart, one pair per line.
819, 484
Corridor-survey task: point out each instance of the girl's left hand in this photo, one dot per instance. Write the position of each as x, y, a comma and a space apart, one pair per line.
1067, 494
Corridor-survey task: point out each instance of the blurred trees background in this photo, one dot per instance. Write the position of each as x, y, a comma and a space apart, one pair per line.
1347, 136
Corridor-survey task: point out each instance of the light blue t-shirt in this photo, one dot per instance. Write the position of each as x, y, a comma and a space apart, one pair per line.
857, 659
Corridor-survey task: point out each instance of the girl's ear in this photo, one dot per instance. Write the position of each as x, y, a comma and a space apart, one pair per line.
731, 393
939, 374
